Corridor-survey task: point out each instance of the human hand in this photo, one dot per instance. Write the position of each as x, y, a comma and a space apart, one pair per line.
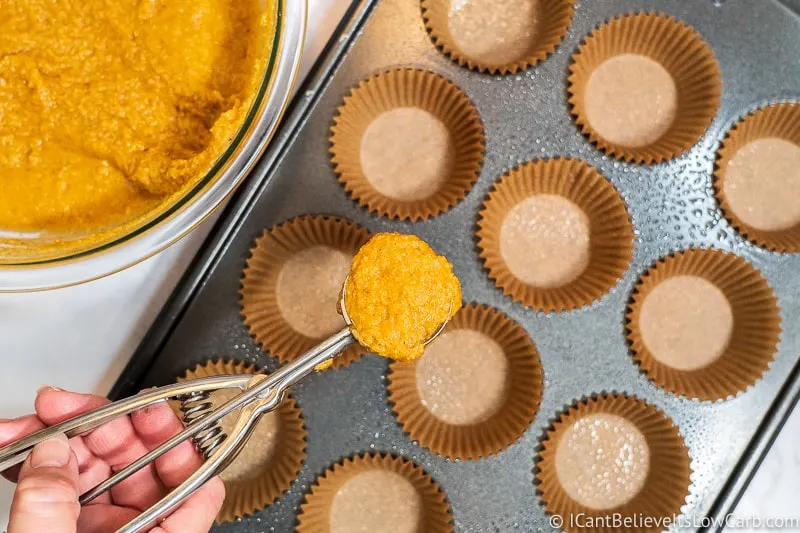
52, 478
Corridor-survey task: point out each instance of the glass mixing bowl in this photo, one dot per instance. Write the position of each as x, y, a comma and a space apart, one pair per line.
33, 262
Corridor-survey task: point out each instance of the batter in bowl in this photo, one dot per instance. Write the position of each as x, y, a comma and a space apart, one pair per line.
110, 108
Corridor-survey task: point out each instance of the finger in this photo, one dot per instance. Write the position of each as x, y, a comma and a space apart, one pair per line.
157, 423
58, 405
115, 442
15, 429
104, 518
85, 457
197, 514
82, 453
91, 468
12, 431
92, 474
55, 406
46, 497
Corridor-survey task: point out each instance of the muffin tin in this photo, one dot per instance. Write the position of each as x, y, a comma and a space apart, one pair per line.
584, 351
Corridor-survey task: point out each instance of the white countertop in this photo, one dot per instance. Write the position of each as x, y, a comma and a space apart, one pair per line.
80, 338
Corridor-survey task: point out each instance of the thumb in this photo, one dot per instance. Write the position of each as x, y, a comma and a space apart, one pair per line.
46, 498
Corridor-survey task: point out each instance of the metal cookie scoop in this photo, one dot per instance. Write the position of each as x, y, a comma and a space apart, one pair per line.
261, 395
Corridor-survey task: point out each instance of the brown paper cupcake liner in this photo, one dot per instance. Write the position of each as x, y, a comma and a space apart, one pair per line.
503, 427
777, 120
250, 496
314, 515
681, 51
414, 88
665, 488
259, 302
756, 325
555, 19
611, 232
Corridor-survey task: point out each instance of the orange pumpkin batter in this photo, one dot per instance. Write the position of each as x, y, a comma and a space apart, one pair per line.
398, 294
108, 108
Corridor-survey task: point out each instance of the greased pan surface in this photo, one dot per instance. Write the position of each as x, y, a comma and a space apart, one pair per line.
584, 351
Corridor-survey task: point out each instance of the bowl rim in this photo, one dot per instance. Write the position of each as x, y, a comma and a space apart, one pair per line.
198, 204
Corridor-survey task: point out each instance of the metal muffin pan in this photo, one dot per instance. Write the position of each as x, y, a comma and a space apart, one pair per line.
583, 351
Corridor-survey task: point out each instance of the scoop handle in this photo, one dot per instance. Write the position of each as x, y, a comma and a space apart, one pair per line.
16, 452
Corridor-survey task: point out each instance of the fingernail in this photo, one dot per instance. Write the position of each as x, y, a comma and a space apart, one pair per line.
44, 388
55, 451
